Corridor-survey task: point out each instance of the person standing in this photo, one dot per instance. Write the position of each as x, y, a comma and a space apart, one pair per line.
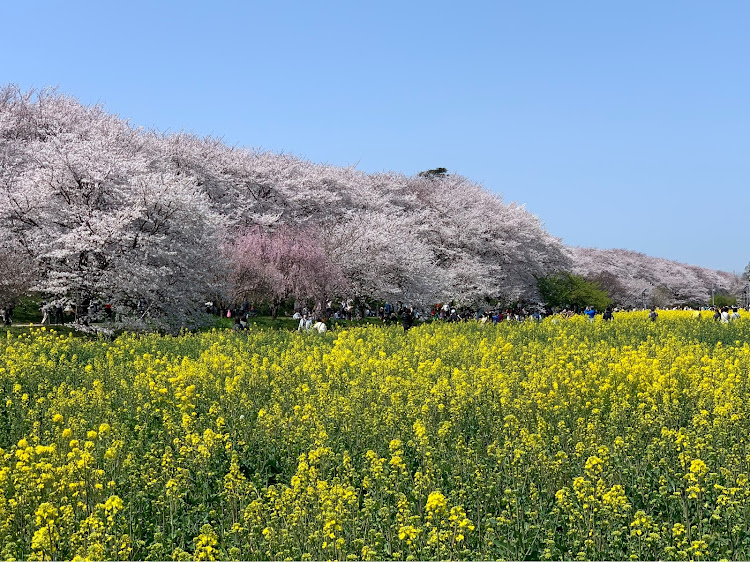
653, 315
407, 318
725, 315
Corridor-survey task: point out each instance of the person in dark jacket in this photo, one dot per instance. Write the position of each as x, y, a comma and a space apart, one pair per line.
407, 318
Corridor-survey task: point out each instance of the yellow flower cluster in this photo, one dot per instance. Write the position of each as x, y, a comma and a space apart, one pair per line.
561, 439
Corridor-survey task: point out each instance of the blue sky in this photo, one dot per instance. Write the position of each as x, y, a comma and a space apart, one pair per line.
621, 125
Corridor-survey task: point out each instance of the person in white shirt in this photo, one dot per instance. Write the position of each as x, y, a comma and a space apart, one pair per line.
304, 323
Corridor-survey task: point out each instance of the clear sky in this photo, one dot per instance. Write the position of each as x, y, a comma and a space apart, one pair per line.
621, 125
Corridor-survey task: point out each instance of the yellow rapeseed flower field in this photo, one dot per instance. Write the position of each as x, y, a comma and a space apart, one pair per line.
563, 439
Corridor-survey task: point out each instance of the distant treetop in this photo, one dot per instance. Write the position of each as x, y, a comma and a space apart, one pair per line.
434, 173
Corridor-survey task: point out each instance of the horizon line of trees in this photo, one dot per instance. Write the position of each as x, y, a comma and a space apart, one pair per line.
566, 290
92, 208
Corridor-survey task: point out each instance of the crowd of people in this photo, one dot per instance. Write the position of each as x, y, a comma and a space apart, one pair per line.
722, 314
318, 318
93, 311
449, 313
240, 315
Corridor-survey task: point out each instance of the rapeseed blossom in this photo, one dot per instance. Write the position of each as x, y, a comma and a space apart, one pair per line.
545, 440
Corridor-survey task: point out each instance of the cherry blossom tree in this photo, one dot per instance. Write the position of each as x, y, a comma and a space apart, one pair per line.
18, 272
285, 263
81, 191
646, 279
384, 258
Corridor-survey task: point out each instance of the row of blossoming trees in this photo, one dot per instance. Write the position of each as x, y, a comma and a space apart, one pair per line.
156, 224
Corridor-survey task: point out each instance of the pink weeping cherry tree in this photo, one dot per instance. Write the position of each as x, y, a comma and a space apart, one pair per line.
275, 265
